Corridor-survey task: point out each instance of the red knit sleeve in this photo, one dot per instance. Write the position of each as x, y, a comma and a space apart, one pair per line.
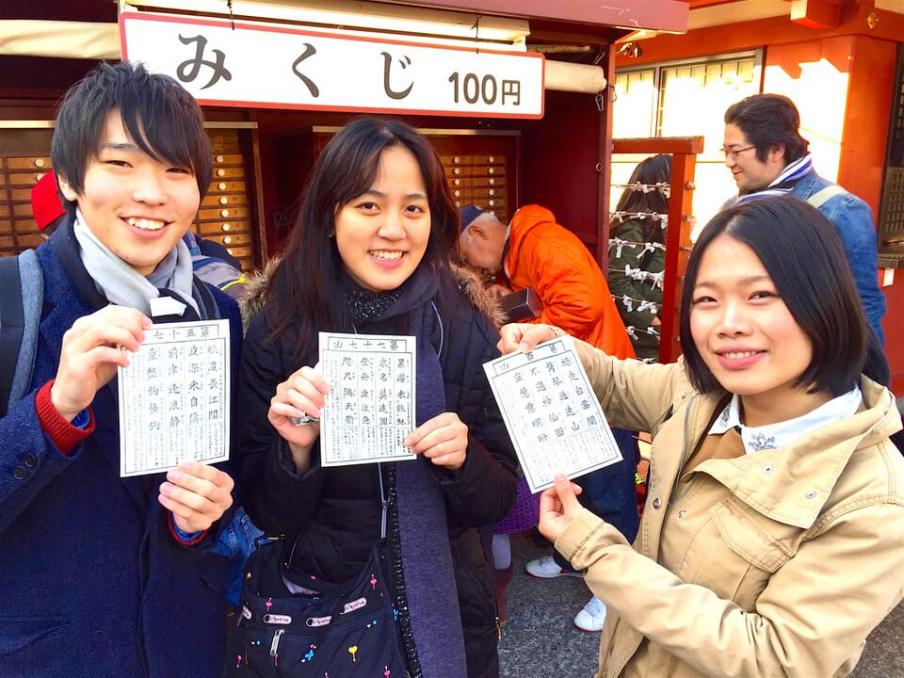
63, 434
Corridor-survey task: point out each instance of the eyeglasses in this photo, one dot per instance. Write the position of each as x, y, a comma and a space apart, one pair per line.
733, 153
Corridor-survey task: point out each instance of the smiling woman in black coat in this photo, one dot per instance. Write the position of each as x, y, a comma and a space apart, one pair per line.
370, 254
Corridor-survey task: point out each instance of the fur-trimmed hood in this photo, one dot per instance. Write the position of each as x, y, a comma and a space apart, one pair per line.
481, 297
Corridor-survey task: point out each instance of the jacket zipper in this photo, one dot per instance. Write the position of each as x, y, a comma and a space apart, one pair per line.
274, 646
143, 659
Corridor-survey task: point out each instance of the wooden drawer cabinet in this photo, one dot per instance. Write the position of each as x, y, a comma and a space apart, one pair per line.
211, 228
228, 173
224, 200
478, 169
30, 163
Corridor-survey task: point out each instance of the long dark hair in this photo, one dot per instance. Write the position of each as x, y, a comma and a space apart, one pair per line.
656, 169
305, 296
803, 254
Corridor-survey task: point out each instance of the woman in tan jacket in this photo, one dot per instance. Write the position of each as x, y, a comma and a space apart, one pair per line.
772, 541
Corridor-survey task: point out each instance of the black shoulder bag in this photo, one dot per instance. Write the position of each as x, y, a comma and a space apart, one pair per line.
348, 629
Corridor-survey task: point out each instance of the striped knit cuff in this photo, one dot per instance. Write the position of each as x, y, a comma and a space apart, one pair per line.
184, 538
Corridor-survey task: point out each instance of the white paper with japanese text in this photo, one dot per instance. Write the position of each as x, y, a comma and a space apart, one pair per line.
370, 408
552, 415
174, 398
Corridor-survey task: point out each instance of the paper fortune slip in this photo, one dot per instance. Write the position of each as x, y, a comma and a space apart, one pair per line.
174, 398
370, 408
552, 415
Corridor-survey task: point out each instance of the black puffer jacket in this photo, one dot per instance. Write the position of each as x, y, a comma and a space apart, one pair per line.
332, 515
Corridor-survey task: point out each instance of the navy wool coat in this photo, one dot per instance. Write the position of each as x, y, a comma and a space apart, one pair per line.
91, 581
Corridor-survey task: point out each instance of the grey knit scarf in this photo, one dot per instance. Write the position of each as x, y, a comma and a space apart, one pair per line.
123, 285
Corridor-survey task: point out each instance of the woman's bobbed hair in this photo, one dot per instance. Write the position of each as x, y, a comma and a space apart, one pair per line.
802, 252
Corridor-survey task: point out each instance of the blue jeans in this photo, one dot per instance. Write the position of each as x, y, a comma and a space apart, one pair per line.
611, 492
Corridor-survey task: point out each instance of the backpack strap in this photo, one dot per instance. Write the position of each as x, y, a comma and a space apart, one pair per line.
821, 197
205, 299
12, 325
219, 273
21, 303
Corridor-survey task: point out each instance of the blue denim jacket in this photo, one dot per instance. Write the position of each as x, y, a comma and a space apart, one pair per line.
236, 541
854, 220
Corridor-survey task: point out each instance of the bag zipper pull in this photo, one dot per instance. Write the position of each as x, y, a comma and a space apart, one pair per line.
274, 646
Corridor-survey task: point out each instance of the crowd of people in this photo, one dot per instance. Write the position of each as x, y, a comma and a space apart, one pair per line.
770, 539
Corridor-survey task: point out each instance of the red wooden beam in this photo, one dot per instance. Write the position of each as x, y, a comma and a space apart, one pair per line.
678, 236
677, 251
857, 19
707, 3
655, 145
817, 14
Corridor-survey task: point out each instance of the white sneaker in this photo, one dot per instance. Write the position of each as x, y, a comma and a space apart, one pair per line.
547, 568
592, 617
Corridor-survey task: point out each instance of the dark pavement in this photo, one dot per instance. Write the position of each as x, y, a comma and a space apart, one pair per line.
540, 640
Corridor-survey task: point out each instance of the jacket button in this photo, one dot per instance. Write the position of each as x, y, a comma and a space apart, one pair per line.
20, 473
657, 503
30, 460
682, 513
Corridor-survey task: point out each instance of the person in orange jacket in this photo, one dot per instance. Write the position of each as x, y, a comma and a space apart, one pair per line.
535, 252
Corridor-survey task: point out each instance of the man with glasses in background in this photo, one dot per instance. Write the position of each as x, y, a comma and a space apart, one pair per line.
767, 156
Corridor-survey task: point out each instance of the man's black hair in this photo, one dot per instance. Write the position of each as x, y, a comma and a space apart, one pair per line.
157, 112
768, 121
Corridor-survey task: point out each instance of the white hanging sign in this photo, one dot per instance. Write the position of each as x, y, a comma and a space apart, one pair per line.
273, 66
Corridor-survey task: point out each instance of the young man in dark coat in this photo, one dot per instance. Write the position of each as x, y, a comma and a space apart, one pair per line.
102, 575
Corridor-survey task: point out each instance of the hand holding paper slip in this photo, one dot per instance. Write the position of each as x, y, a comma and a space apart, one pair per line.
196, 494
295, 412
88, 359
525, 336
552, 415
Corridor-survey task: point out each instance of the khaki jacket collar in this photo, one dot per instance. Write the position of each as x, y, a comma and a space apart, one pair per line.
791, 485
